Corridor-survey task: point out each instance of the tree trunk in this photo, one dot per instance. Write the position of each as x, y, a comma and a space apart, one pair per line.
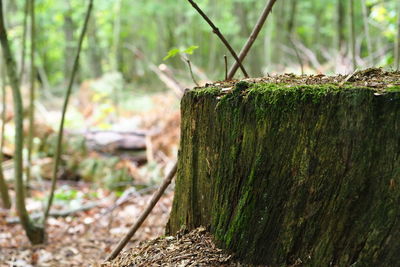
4, 195
69, 51
95, 53
35, 233
341, 11
289, 175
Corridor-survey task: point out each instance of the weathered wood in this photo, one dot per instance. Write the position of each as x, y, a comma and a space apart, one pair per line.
288, 174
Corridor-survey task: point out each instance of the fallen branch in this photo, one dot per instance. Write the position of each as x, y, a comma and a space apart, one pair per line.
58, 213
221, 37
162, 71
156, 197
127, 196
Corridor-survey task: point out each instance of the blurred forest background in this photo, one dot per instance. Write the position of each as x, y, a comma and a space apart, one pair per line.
319, 30
122, 124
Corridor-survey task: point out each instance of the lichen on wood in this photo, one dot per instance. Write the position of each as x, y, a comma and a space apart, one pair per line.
287, 173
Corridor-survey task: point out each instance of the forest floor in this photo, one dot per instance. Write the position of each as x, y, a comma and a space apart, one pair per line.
97, 216
84, 238
92, 218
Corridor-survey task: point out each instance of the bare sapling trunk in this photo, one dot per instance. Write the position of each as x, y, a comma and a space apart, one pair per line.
57, 155
353, 35
5, 197
35, 233
397, 48
341, 16
366, 30
31, 91
24, 32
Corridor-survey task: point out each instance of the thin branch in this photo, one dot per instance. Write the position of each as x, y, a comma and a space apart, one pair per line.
59, 213
226, 67
397, 48
353, 35
191, 72
24, 33
57, 155
156, 197
295, 49
366, 30
221, 37
4, 194
31, 92
253, 36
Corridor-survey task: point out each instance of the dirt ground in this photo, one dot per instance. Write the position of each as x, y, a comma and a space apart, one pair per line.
84, 238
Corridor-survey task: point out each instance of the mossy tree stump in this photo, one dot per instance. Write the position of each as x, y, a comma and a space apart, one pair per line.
286, 174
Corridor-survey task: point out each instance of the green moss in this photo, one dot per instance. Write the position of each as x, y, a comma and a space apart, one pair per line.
395, 88
282, 172
206, 91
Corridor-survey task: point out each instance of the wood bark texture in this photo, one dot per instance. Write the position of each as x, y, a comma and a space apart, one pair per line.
285, 175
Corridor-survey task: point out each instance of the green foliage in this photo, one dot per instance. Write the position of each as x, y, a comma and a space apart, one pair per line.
190, 49
161, 31
105, 172
65, 194
175, 51
171, 53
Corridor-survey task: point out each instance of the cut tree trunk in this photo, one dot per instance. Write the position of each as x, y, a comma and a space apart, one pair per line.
285, 175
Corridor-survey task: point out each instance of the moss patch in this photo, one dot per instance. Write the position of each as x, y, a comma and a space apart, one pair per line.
285, 173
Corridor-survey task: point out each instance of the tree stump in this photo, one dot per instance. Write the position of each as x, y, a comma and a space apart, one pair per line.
287, 174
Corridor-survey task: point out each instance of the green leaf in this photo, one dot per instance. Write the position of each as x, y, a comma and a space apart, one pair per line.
190, 49
171, 53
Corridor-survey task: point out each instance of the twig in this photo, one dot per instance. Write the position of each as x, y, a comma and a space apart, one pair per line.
297, 54
311, 56
166, 77
221, 37
397, 48
366, 30
226, 67
348, 77
66, 100
25, 26
191, 72
126, 196
353, 35
59, 213
4, 194
253, 36
31, 92
156, 197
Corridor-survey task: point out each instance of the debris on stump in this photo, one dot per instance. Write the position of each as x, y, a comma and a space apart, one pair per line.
191, 249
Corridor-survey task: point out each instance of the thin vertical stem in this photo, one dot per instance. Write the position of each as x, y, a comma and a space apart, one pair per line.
353, 35
24, 33
155, 198
34, 233
226, 67
366, 30
397, 48
31, 91
191, 72
57, 156
5, 196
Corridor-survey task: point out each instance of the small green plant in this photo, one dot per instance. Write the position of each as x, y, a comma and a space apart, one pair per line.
176, 51
65, 194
